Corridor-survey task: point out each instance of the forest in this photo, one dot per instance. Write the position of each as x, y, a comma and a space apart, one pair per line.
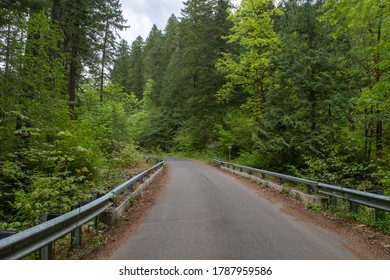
299, 87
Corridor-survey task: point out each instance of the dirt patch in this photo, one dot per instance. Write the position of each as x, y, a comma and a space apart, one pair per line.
116, 234
366, 243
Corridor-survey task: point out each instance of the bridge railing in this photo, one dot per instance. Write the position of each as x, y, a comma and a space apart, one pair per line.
24, 243
376, 201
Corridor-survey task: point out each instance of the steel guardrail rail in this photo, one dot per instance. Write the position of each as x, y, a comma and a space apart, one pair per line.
376, 201
373, 200
123, 187
30, 240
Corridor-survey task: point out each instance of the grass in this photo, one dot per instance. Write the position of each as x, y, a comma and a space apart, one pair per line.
91, 240
365, 215
314, 207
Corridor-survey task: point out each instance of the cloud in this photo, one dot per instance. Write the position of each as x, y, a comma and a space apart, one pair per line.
142, 14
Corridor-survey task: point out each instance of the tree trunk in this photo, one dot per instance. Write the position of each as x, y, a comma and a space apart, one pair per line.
378, 74
8, 51
103, 62
313, 110
72, 83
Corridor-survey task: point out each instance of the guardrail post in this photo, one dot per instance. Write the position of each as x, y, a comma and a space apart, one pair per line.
353, 206
6, 233
76, 234
332, 201
379, 214
94, 220
46, 252
310, 189
75, 238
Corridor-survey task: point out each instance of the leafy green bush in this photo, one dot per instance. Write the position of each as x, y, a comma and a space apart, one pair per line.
49, 195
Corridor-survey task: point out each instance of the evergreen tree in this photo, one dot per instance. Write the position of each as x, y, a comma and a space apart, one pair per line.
366, 23
121, 68
200, 41
155, 62
111, 21
186, 100
136, 67
306, 107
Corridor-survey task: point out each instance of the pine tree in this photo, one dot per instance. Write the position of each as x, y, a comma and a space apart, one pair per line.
366, 23
111, 21
201, 29
121, 67
154, 60
136, 67
305, 107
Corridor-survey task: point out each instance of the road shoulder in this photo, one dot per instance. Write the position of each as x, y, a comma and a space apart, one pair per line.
367, 244
115, 235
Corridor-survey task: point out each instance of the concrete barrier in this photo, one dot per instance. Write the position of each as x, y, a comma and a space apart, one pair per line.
268, 184
111, 216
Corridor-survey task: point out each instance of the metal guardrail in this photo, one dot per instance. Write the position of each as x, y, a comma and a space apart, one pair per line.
31, 240
377, 201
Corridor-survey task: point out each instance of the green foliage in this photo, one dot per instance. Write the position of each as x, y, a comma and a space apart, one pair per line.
183, 108
120, 72
136, 70
49, 195
237, 129
365, 215
253, 159
366, 23
314, 207
56, 174
301, 88
251, 68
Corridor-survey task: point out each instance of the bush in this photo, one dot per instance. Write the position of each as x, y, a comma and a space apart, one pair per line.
49, 195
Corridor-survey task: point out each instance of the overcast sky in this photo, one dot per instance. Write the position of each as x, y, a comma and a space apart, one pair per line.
142, 14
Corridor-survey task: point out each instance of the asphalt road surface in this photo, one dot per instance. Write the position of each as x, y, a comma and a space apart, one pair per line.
204, 214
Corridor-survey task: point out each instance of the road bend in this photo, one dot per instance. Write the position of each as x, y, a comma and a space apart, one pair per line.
204, 214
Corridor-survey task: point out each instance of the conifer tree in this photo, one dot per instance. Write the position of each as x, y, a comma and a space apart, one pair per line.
136, 67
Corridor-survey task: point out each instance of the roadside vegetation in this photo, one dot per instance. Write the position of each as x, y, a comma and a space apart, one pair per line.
300, 87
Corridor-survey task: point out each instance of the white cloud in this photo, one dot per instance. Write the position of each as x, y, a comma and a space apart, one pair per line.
142, 14
140, 25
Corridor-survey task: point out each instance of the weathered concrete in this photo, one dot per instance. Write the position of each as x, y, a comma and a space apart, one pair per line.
292, 192
111, 216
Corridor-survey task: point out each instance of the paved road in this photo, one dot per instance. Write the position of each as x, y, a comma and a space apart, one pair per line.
204, 214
